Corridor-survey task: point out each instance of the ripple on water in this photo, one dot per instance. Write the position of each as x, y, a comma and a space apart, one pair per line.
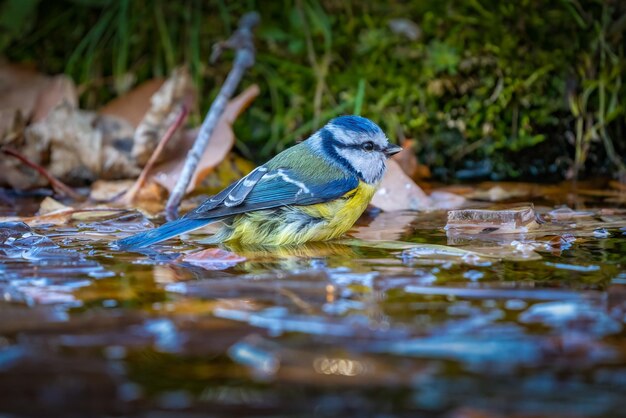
526, 323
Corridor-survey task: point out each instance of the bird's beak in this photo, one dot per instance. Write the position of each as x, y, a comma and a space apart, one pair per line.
392, 149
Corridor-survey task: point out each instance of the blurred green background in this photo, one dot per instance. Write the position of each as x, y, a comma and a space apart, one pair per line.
528, 89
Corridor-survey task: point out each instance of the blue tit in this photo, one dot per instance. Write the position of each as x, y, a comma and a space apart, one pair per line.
313, 191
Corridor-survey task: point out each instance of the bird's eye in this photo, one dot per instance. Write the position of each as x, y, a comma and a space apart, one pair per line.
368, 146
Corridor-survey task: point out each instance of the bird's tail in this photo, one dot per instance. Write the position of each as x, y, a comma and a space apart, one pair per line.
165, 231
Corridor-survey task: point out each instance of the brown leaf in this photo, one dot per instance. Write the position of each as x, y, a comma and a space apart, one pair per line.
397, 191
222, 140
408, 161
133, 105
149, 199
59, 89
58, 186
106, 190
82, 147
164, 108
64, 215
33, 94
501, 192
131, 194
50, 205
617, 185
443, 200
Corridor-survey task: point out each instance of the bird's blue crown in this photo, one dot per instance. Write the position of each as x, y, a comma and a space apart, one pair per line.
356, 124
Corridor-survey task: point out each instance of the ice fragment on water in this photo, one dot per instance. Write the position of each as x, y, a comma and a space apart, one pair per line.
573, 315
477, 221
524, 247
601, 233
256, 353
473, 275
566, 214
515, 304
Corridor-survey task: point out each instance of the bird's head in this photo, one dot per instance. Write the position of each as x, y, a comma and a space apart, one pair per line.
356, 144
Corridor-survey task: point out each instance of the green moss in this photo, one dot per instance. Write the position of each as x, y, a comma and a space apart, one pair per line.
531, 88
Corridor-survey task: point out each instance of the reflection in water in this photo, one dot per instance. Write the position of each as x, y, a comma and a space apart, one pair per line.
338, 366
254, 353
400, 318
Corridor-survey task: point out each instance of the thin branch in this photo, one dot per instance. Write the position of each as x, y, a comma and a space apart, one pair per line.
242, 42
57, 185
131, 194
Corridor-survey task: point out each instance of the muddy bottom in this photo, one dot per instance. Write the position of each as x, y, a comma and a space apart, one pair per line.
404, 318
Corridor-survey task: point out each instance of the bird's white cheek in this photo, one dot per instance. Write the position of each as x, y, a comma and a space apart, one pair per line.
370, 165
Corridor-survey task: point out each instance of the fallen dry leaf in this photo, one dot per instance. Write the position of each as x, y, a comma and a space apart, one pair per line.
564, 214
33, 94
64, 215
500, 193
50, 205
220, 144
26, 95
150, 198
58, 186
214, 259
59, 89
443, 200
72, 146
397, 191
129, 197
164, 109
53, 212
106, 190
83, 147
133, 105
19, 89
408, 161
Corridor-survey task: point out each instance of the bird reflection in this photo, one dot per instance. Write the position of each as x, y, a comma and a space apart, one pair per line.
293, 256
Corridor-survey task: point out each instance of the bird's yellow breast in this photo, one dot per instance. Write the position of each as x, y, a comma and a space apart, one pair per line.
342, 213
299, 224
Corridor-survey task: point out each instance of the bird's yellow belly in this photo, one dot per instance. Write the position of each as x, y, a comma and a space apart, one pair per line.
299, 224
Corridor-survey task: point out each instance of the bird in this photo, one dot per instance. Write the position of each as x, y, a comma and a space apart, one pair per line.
313, 191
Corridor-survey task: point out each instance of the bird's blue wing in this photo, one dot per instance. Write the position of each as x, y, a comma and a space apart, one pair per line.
261, 189
234, 194
270, 189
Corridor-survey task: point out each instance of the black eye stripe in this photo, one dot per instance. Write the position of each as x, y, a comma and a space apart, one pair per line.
329, 137
357, 146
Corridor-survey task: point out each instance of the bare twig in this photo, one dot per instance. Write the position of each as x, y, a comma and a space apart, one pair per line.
242, 42
57, 185
131, 194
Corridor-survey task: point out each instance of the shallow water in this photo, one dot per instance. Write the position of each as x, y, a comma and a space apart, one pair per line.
382, 324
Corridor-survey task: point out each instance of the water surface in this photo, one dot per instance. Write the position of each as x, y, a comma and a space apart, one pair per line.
524, 325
